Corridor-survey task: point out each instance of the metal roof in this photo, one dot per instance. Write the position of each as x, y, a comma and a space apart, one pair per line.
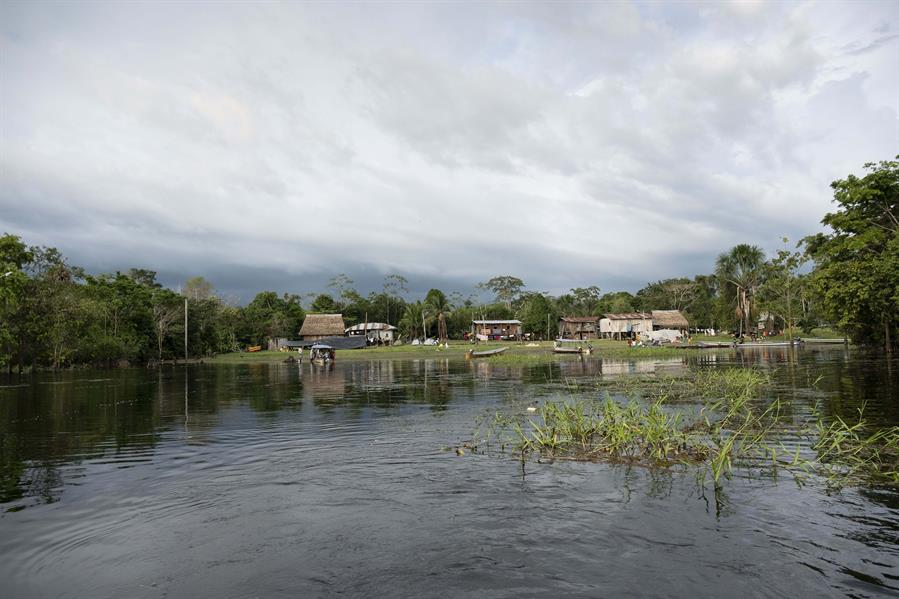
629, 316
372, 326
496, 321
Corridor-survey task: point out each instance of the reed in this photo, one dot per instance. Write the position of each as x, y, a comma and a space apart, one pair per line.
594, 430
852, 452
736, 428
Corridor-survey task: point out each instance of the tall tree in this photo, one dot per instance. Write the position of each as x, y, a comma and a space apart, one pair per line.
740, 271
166, 312
780, 292
857, 264
505, 288
538, 314
439, 308
669, 294
616, 302
198, 288
395, 288
413, 320
14, 257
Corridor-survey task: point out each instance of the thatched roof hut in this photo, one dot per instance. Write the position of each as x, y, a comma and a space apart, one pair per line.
669, 319
319, 326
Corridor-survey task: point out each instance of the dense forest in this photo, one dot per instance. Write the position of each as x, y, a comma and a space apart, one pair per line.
55, 314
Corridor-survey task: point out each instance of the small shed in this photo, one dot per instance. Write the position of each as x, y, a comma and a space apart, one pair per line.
496, 329
319, 326
669, 319
579, 327
625, 324
377, 332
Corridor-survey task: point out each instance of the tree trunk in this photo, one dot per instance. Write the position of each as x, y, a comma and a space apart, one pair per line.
886, 334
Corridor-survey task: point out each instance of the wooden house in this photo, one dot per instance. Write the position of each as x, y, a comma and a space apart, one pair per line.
669, 319
579, 327
625, 325
496, 329
319, 326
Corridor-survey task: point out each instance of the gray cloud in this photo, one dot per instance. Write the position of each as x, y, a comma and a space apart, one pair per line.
271, 146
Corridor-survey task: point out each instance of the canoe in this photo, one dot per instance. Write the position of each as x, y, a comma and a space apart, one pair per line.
486, 353
714, 344
568, 350
823, 341
769, 344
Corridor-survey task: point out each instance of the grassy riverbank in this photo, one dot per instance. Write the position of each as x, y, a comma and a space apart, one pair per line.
516, 353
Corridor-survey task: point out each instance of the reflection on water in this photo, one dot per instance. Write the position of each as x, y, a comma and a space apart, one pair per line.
299, 479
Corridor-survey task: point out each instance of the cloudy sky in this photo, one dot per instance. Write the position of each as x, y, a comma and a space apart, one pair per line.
271, 146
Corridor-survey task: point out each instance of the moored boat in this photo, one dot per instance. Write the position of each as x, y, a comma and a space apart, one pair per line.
582, 348
767, 344
322, 354
485, 353
568, 350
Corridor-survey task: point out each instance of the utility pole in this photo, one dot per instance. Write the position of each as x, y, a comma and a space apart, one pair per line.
185, 329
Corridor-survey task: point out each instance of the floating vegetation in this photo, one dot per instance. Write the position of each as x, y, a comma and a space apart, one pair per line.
736, 427
590, 430
857, 452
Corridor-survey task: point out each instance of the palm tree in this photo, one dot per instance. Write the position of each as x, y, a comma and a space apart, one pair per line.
740, 272
437, 306
413, 319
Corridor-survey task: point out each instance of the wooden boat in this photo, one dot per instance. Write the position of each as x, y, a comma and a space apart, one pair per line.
756, 344
486, 353
322, 354
568, 350
582, 348
818, 341
713, 344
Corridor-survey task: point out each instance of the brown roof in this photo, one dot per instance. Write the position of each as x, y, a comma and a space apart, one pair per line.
580, 318
629, 316
323, 324
670, 319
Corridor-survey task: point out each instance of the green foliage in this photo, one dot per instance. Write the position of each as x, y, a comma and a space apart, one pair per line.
269, 316
857, 264
505, 288
670, 294
413, 322
581, 301
851, 452
538, 315
616, 302
198, 288
324, 304
437, 306
740, 273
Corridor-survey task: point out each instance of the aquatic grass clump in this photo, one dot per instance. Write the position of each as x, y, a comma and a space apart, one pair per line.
735, 385
851, 453
732, 384
735, 428
589, 430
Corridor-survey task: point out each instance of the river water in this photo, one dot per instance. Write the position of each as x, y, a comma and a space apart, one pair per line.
298, 481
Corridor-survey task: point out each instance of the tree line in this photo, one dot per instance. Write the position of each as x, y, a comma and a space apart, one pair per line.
54, 314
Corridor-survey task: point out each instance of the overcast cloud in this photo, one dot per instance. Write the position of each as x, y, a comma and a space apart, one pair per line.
271, 146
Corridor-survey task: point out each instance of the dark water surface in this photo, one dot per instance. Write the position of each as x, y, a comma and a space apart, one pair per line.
279, 480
